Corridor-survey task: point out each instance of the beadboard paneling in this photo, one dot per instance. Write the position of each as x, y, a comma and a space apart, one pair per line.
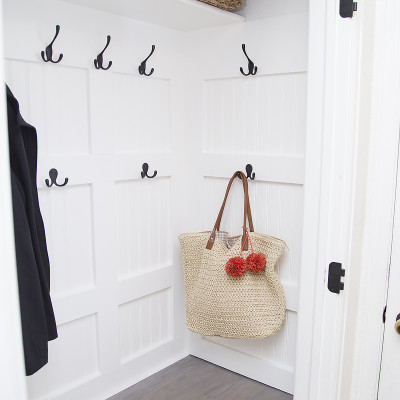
143, 225
144, 324
141, 114
55, 102
75, 352
68, 218
264, 114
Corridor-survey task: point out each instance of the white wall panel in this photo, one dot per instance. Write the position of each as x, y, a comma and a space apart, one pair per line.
54, 100
143, 225
66, 94
141, 114
73, 359
68, 221
144, 324
261, 114
277, 210
108, 231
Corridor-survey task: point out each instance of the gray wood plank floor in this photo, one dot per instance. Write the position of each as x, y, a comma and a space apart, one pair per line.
194, 379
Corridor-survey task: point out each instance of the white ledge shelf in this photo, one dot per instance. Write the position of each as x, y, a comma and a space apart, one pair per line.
182, 15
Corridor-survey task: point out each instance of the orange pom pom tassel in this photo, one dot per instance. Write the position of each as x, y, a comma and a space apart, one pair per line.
256, 262
236, 267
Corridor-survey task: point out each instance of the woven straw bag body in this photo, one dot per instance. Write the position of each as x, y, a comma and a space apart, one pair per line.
224, 4
248, 307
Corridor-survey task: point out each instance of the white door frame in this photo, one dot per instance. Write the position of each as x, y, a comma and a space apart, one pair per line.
331, 154
352, 150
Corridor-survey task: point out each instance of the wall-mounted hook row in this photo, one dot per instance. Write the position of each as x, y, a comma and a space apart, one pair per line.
249, 172
53, 174
47, 56
142, 66
49, 50
145, 170
251, 66
98, 62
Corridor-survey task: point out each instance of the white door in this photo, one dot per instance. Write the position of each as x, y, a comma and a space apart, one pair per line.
258, 120
109, 232
390, 367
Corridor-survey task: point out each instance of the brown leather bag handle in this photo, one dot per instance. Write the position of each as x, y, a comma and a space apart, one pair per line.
246, 212
246, 202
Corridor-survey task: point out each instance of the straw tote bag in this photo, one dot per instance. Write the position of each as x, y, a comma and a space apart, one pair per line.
247, 305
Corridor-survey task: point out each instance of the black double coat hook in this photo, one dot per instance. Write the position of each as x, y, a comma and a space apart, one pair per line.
145, 168
249, 172
53, 174
98, 62
142, 66
49, 50
252, 67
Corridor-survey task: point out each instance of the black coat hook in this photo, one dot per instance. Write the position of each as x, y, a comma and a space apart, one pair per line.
53, 174
142, 66
49, 49
249, 172
252, 67
98, 62
145, 168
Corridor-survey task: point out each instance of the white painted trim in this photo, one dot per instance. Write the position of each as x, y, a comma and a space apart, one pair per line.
104, 386
333, 186
12, 368
275, 168
315, 115
267, 372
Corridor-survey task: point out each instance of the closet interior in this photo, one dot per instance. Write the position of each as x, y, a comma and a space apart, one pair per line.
145, 117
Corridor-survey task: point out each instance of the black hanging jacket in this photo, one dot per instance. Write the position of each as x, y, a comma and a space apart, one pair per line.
37, 316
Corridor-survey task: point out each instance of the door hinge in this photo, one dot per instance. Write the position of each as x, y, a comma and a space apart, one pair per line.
346, 8
335, 285
384, 315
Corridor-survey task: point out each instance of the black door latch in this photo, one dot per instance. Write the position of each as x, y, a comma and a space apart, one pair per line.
334, 277
346, 8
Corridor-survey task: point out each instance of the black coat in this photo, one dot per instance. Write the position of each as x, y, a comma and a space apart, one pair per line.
37, 316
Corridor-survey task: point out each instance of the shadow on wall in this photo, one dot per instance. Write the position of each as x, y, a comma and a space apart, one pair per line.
259, 9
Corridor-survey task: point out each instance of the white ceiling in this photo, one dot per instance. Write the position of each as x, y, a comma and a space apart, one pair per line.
183, 15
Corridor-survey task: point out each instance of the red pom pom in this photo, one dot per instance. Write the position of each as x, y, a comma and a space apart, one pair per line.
236, 266
256, 262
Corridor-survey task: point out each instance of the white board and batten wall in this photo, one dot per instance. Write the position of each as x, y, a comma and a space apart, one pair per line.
258, 120
116, 278
116, 290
